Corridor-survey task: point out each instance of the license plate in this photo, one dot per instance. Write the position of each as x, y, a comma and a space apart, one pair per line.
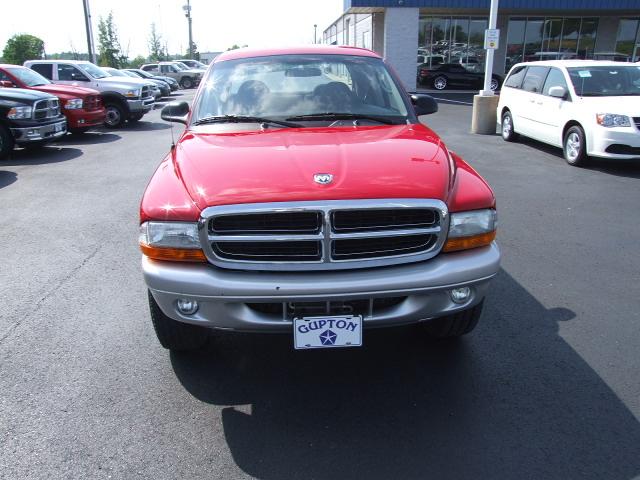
327, 332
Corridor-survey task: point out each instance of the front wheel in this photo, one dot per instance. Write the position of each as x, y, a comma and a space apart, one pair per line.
174, 335
508, 133
6, 142
186, 82
454, 325
574, 146
115, 115
440, 83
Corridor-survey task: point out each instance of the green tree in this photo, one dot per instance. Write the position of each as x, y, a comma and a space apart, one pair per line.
136, 62
235, 46
22, 47
157, 52
109, 44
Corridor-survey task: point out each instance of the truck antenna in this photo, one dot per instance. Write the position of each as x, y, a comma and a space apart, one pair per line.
173, 142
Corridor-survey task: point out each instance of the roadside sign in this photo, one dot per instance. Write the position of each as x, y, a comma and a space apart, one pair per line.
491, 38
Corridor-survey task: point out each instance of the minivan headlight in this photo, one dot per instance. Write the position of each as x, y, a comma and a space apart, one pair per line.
613, 120
173, 241
472, 229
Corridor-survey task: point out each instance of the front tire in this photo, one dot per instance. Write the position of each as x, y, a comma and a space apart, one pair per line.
186, 82
174, 335
440, 83
506, 129
454, 325
574, 146
6, 142
115, 115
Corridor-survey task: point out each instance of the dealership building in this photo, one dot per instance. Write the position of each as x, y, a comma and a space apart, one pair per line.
409, 33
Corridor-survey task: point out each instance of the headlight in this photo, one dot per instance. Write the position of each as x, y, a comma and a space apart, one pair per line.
133, 93
613, 120
17, 113
173, 241
473, 229
73, 104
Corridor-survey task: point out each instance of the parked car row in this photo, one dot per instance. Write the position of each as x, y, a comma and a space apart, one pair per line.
448, 75
44, 99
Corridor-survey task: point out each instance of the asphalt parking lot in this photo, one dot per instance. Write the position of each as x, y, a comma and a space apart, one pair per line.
546, 387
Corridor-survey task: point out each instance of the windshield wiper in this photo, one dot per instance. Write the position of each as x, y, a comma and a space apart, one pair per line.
342, 116
243, 119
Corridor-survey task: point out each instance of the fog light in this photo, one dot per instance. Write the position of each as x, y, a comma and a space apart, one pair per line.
187, 307
460, 295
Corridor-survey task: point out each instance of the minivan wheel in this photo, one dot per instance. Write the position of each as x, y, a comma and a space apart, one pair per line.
454, 325
186, 82
440, 83
115, 115
508, 133
574, 146
174, 335
6, 142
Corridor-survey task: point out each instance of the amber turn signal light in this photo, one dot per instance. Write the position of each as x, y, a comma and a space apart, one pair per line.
465, 243
173, 254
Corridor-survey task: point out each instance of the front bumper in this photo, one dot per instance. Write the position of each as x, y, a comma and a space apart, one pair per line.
225, 297
40, 133
617, 142
144, 105
83, 118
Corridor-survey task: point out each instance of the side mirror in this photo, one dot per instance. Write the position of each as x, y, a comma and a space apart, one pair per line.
424, 104
175, 112
558, 92
6, 84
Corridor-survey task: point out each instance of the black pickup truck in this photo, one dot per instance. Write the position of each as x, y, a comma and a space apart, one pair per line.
28, 118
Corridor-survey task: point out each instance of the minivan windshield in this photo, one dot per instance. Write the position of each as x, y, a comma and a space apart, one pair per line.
601, 81
302, 88
27, 76
93, 71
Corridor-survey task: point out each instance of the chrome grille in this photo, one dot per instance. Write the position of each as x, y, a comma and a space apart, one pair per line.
44, 109
146, 92
324, 235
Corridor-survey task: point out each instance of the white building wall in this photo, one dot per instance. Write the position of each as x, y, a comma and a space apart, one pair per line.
400, 42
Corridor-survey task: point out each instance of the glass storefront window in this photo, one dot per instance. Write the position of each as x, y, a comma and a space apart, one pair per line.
451, 40
530, 39
628, 38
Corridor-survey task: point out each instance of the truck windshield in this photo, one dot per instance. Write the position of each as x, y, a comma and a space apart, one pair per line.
93, 71
601, 81
308, 87
28, 77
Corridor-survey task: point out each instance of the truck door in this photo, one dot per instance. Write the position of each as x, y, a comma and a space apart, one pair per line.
71, 75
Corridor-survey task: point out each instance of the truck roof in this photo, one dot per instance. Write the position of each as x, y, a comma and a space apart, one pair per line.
303, 50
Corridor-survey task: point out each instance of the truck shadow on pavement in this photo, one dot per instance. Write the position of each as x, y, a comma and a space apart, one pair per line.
89, 138
7, 178
41, 156
512, 400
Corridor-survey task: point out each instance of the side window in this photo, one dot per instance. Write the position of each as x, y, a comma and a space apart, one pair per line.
515, 78
534, 79
70, 73
164, 68
43, 69
554, 79
4, 77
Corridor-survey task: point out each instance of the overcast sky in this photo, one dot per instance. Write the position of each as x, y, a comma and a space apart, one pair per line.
217, 24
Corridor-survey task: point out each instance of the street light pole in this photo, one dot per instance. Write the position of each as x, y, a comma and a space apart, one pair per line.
87, 24
187, 13
488, 69
315, 35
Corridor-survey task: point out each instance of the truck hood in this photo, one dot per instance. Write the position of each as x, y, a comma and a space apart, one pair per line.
22, 95
124, 83
67, 91
278, 165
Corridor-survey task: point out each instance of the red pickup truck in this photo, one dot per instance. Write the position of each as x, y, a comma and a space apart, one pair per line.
306, 197
81, 106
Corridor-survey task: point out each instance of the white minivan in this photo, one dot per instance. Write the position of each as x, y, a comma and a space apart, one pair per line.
588, 108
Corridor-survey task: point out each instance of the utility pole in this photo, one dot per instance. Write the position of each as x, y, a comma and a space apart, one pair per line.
315, 36
187, 13
87, 23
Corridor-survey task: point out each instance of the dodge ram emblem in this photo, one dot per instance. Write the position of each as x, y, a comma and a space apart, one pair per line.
323, 178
